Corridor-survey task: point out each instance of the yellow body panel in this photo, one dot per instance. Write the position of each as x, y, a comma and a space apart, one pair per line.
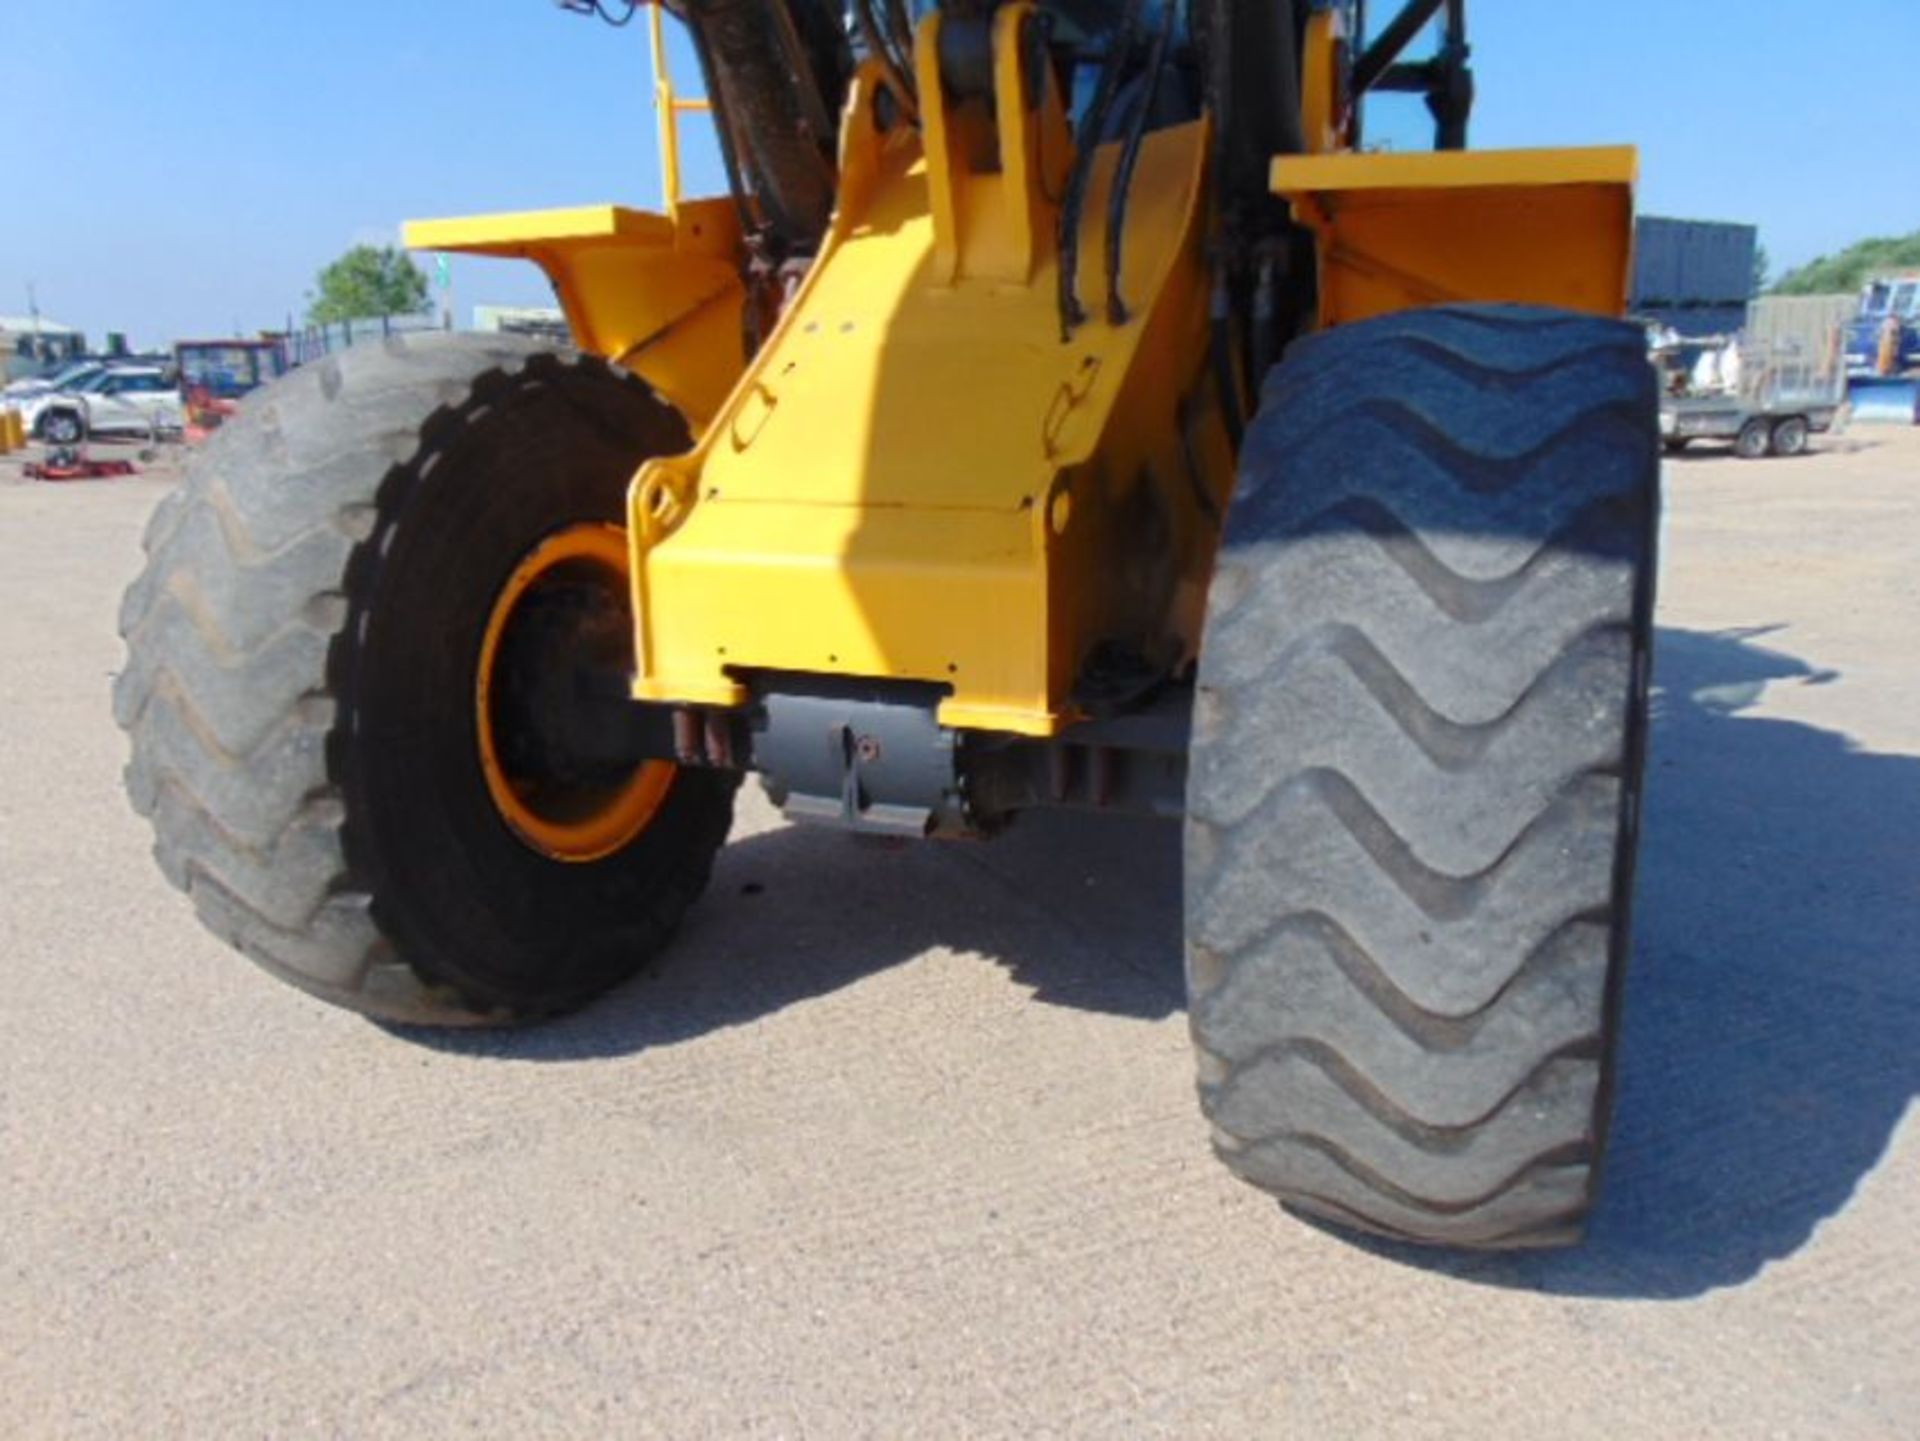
917, 478
1324, 117
661, 295
1544, 227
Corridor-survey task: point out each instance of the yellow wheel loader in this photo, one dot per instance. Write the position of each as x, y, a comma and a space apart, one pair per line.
1062, 408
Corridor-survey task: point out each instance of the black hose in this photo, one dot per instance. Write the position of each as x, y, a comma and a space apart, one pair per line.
599, 7
1220, 350
1092, 125
1129, 156
900, 24
880, 50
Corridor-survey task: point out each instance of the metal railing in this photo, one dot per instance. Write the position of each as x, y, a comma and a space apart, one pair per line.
315, 341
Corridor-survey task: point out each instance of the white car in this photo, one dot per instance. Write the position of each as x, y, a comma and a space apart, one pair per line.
123, 400
17, 393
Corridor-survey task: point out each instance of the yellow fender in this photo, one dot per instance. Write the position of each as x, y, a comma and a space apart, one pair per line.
660, 295
1537, 227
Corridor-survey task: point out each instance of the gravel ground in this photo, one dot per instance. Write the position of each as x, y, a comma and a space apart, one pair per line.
904, 1141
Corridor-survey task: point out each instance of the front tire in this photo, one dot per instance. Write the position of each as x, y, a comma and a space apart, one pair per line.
62, 427
303, 671
1414, 781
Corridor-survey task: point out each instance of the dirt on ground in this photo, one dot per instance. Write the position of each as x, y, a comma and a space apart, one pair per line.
903, 1140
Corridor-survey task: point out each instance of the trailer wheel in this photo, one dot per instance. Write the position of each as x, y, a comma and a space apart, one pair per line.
353, 656
1754, 440
1790, 435
1415, 769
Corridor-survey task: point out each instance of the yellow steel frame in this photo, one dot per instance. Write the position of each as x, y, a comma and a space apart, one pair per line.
916, 478
1325, 115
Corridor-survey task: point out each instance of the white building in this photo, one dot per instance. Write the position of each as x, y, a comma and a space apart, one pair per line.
32, 346
545, 322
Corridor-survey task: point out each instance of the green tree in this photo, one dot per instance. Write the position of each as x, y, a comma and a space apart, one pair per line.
368, 281
1762, 268
1845, 273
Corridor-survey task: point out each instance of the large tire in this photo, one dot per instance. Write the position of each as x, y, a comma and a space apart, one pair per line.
300, 682
1414, 786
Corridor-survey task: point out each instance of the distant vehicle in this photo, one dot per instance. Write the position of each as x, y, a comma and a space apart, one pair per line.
18, 392
121, 400
1764, 401
215, 374
1895, 297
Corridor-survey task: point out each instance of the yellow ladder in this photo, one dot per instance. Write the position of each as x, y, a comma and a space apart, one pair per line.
668, 108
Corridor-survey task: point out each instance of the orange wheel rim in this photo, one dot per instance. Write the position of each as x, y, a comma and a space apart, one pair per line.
575, 822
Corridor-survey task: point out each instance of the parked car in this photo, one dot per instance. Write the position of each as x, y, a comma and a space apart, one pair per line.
17, 393
121, 400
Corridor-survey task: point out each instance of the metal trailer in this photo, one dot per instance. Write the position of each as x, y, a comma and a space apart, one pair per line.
1753, 431
1774, 391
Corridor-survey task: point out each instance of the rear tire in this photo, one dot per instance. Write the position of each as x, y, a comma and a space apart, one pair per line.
1415, 768
300, 687
1754, 440
1789, 436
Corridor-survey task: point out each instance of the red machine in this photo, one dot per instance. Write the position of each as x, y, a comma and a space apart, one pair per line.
71, 462
215, 374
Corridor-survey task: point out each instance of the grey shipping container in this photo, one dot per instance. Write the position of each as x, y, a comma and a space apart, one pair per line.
1685, 265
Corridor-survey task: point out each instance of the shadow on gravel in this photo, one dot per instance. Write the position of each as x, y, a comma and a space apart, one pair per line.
1772, 1033
1082, 910
1772, 1036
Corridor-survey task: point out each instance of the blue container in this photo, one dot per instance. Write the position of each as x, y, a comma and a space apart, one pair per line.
1691, 265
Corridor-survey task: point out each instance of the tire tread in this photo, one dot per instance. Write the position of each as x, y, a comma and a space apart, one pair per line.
231, 629
1414, 777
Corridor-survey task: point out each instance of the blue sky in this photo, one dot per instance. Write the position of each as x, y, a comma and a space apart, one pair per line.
186, 167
